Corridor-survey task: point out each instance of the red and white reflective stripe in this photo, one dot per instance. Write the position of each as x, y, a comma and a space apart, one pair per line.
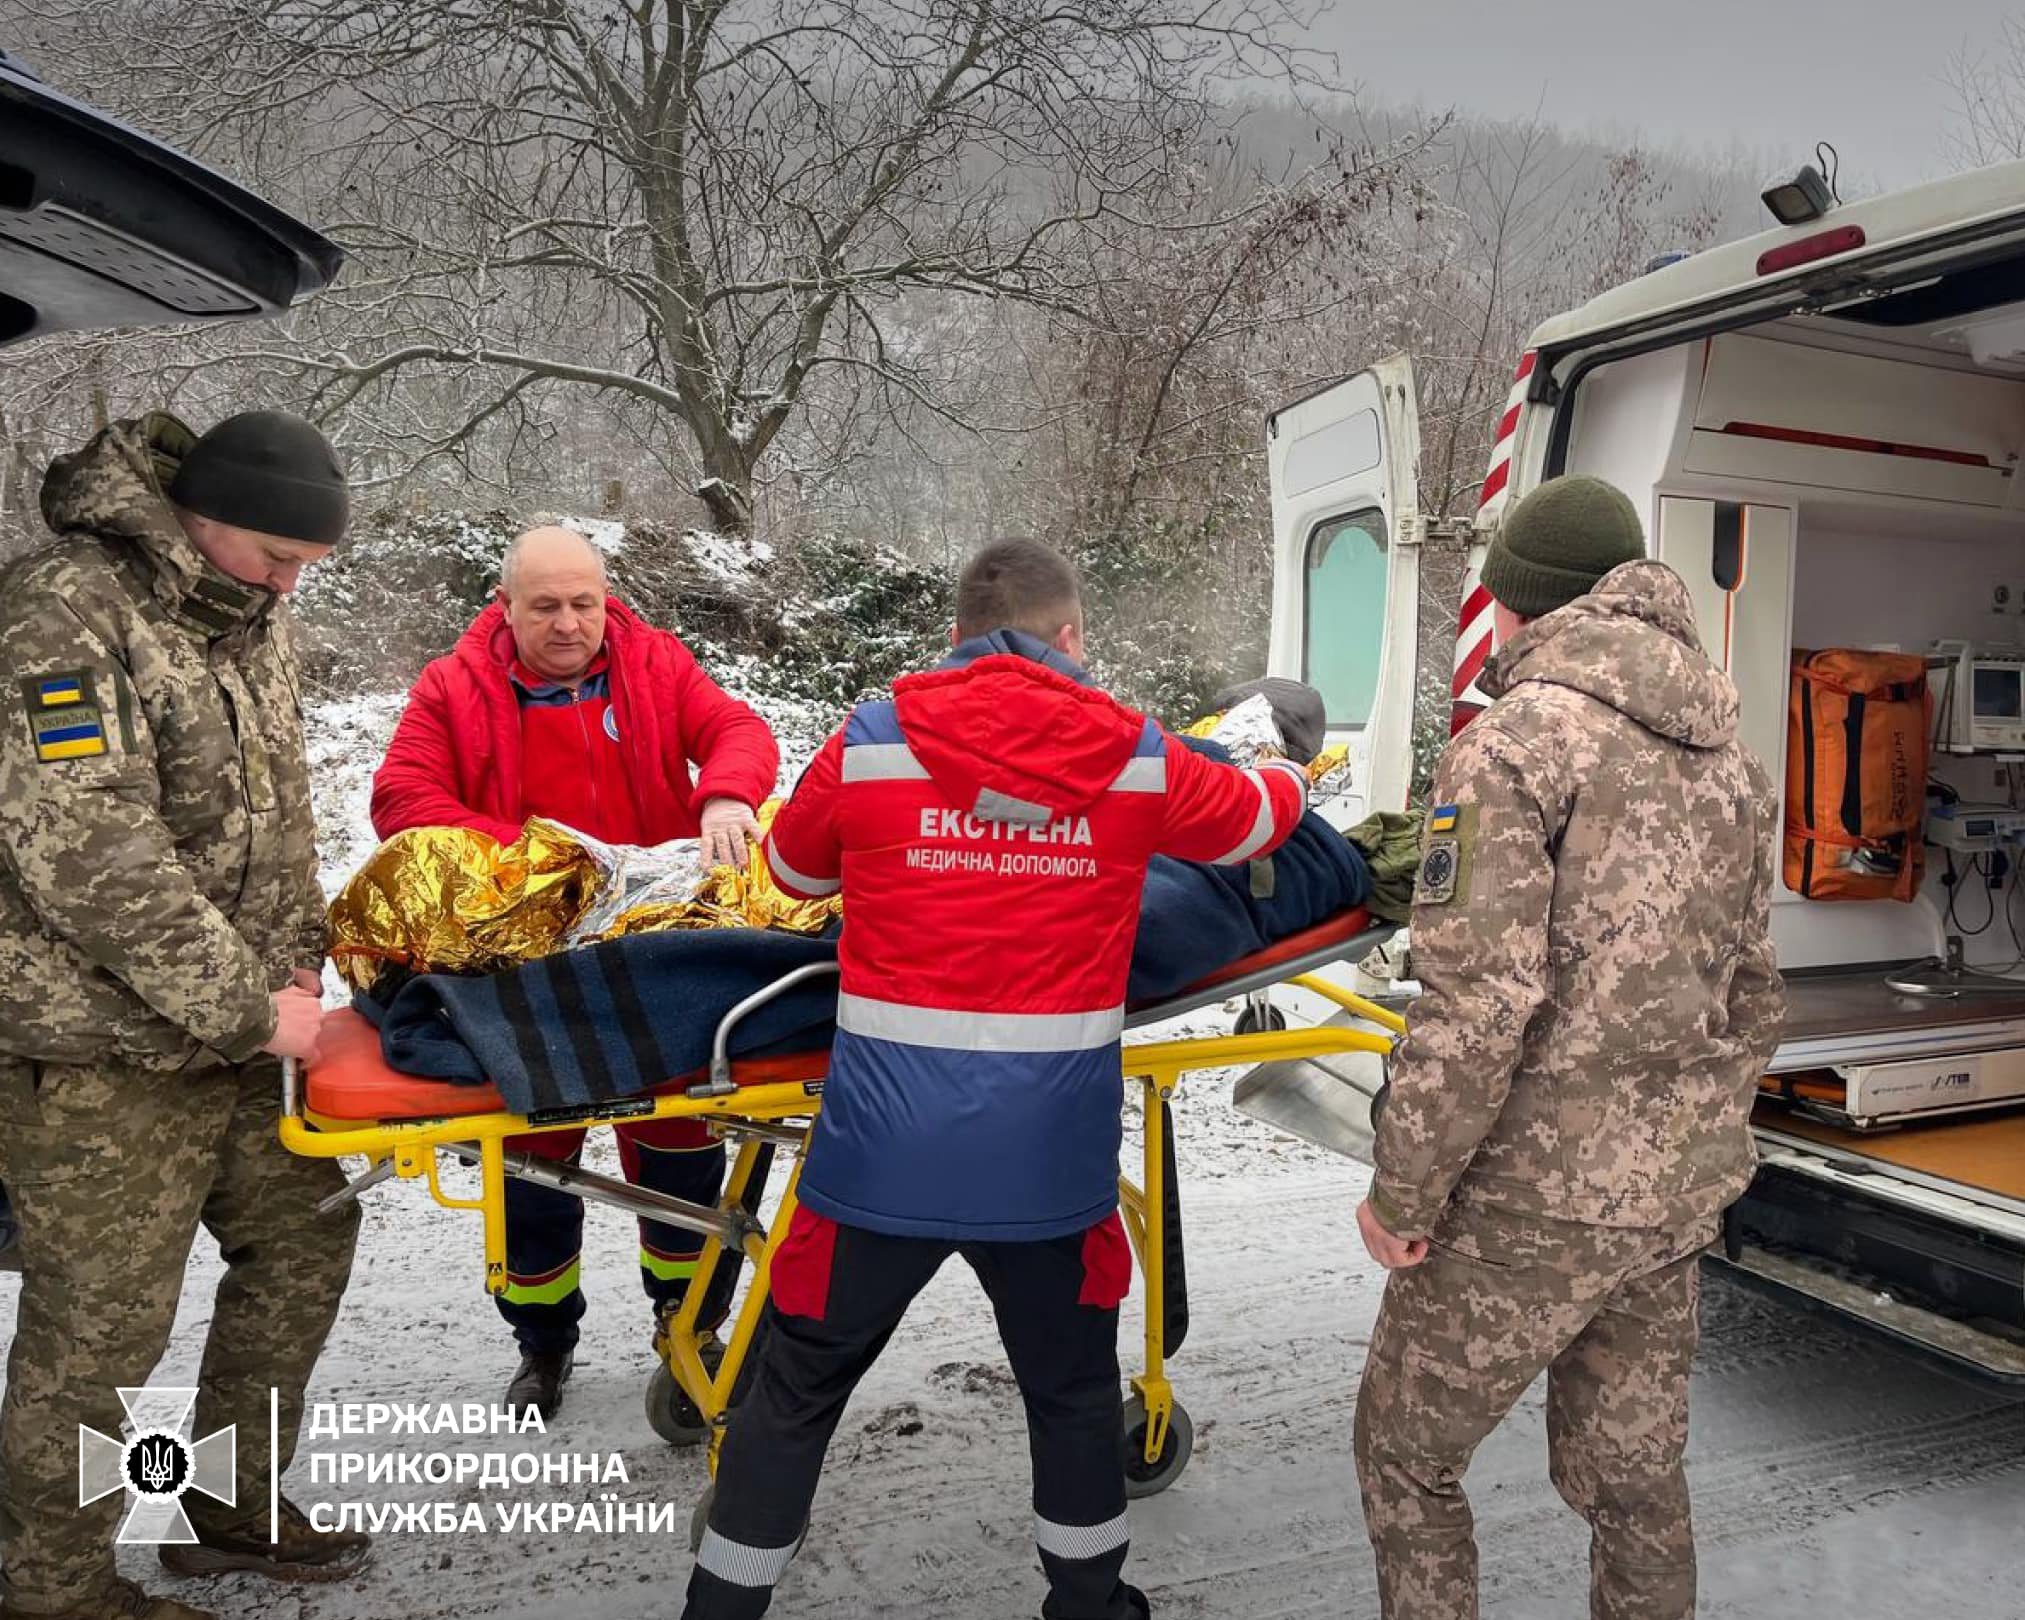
1475, 634
800, 882
1497, 485
1475, 631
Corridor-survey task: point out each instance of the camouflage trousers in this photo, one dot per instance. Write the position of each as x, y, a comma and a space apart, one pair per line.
1610, 1316
111, 1170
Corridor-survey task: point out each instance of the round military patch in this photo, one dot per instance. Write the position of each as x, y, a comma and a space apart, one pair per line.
1438, 871
611, 725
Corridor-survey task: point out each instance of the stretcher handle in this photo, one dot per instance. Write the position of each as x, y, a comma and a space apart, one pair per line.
291, 1088
720, 1083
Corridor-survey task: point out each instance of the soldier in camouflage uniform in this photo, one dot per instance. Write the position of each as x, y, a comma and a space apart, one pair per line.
1569, 1115
161, 930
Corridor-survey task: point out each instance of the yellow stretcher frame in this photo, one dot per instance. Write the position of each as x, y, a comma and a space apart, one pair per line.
755, 1118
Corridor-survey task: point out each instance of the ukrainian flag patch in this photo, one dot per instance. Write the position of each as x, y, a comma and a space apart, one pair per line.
64, 719
1444, 818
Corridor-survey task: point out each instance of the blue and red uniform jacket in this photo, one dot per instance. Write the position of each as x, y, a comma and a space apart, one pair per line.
989, 826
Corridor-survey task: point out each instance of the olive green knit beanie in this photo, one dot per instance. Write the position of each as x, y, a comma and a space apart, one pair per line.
1558, 542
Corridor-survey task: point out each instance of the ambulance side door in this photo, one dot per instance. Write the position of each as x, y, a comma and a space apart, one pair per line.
1344, 466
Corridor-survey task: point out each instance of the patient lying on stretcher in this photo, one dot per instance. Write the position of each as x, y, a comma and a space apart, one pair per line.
550, 970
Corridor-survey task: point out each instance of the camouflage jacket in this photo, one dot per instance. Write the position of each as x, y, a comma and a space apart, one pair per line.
1590, 927
157, 854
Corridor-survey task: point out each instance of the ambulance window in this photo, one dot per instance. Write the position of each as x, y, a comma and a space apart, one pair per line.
1345, 633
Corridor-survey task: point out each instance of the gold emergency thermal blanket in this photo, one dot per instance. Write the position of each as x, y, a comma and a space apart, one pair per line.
449, 900
744, 896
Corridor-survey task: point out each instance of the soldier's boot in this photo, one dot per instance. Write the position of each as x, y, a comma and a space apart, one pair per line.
303, 1553
123, 1601
540, 1380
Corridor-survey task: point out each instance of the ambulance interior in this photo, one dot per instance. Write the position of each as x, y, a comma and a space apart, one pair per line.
1852, 479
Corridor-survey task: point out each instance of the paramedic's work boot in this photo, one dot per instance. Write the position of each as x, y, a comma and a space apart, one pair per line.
122, 1601
540, 1380
1136, 1605
304, 1553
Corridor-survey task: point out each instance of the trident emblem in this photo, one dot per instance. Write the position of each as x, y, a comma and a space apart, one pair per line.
156, 1461
156, 1464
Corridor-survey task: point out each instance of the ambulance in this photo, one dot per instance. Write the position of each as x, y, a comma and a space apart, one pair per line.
1822, 430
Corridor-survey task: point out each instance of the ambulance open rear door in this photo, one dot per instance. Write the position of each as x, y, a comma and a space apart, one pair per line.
1344, 465
1347, 531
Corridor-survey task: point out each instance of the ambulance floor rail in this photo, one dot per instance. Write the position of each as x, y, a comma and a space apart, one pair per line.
352, 1104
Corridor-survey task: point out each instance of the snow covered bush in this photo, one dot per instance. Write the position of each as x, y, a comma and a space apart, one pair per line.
399, 592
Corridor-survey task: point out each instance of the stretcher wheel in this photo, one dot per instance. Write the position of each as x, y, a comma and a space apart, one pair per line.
671, 1414
1250, 1020
1143, 1478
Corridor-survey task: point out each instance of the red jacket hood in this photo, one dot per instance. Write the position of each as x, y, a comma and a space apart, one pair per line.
488, 644
1011, 726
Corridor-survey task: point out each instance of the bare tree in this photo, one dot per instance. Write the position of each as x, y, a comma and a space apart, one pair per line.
1531, 224
710, 208
1987, 84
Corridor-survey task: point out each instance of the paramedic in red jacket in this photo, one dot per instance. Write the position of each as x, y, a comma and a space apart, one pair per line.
560, 703
989, 826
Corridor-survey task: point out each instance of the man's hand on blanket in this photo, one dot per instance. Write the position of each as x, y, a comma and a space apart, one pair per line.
727, 827
308, 979
298, 1018
1394, 1254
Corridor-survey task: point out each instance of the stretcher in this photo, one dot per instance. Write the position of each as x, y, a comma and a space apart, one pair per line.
351, 1103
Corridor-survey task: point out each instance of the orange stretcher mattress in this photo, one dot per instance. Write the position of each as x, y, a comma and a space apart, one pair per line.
351, 1080
1338, 930
1988, 1153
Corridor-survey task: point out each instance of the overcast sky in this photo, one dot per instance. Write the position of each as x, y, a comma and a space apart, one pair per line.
1774, 76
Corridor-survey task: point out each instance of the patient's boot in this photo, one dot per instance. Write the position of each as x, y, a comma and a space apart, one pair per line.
303, 1552
121, 1601
540, 1380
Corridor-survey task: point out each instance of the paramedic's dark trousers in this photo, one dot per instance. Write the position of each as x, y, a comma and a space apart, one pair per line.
838, 1294
543, 1301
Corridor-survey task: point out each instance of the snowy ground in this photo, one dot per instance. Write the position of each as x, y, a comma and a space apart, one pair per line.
1832, 1474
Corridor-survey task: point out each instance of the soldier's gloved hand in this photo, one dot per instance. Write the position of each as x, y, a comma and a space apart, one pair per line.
308, 979
298, 1016
727, 826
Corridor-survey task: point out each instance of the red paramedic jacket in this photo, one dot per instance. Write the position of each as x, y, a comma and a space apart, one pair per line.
459, 757
990, 826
